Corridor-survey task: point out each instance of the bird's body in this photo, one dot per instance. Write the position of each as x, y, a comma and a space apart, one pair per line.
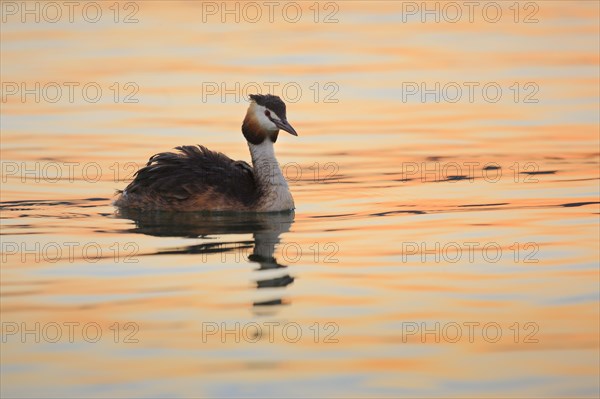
197, 179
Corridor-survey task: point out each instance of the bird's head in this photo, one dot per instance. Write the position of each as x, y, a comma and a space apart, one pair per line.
265, 116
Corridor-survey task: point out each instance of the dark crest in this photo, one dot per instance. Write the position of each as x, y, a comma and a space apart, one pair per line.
272, 102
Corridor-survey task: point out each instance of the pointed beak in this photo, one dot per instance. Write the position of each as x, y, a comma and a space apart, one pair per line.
284, 125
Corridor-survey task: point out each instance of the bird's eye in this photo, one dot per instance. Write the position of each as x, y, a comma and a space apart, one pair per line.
268, 113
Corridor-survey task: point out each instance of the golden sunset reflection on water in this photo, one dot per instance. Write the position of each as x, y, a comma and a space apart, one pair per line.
446, 181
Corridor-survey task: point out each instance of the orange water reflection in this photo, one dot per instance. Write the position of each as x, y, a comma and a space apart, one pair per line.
392, 192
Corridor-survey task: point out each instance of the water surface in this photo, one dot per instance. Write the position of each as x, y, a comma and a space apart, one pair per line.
441, 246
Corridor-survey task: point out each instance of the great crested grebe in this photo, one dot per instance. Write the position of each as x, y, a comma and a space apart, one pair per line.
197, 179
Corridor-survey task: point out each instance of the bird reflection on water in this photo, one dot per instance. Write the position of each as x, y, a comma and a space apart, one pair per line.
266, 229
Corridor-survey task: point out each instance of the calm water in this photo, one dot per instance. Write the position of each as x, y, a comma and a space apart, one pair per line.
445, 241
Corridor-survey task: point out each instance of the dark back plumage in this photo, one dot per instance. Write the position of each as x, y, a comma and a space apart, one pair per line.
193, 177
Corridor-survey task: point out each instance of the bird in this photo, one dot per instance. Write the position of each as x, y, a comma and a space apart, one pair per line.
194, 178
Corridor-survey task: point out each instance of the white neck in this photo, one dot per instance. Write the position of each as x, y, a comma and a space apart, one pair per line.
276, 194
